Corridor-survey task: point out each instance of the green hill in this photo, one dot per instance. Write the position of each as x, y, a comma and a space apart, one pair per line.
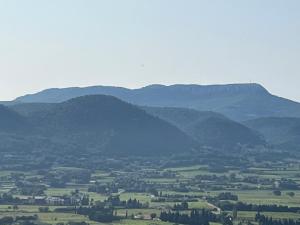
101, 124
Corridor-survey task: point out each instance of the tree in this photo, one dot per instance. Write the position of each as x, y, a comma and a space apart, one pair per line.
153, 215
6, 220
234, 213
291, 194
15, 207
227, 220
44, 209
277, 192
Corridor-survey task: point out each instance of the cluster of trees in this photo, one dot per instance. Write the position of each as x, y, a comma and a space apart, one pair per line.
104, 211
223, 199
126, 183
264, 220
176, 198
227, 196
257, 180
114, 201
277, 192
58, 177
6, 220
196, 217
241, 206
22, 220
288, 184
44, 209
181, 206
28, 188
103, 188
7, 198
76, 198
98, 213
134, 204
159, 174
171, 199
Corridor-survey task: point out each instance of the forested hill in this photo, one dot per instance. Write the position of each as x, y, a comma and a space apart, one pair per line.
10, 121
102, 124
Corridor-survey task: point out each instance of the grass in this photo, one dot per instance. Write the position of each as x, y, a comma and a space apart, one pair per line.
163, 180
96, 196
267, 197
54, 218
264, 197
130, 212
142, 197
58, 191
141, 222
199, 205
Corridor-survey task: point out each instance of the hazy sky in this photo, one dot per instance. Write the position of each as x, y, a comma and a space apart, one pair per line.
132, 43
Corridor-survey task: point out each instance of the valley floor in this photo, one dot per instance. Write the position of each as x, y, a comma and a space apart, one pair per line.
139, 197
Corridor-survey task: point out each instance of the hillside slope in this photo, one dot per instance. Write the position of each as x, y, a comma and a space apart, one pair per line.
279, 131
208, 128
11, 121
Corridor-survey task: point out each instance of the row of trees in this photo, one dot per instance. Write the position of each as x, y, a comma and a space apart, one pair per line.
181, 206
264, 220
241, 206
196, 217
22, 220
98, 213
227, 196
115, 201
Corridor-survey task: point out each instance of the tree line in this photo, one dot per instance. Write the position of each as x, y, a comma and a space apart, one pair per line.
265, 220
241, 206
196, 217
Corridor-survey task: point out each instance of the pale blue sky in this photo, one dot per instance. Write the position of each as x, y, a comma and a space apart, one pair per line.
132, 43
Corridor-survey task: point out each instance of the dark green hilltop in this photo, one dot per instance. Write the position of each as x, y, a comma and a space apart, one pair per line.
96, 123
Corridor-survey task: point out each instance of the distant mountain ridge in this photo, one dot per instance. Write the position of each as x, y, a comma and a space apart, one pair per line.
237, 101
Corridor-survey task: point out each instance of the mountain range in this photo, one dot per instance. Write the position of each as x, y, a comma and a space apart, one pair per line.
152, 120
239, 102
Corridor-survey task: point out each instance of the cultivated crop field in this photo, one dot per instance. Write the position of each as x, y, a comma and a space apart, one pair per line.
139, 196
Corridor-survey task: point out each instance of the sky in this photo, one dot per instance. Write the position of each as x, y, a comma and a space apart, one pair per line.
133, 43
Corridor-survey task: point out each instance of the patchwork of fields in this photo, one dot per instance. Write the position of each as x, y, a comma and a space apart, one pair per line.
195, 185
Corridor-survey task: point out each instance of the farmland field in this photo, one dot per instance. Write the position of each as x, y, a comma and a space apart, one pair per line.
139, 197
